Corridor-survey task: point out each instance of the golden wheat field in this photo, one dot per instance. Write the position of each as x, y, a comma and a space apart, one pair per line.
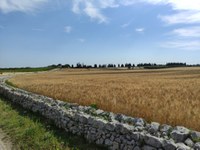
169, 96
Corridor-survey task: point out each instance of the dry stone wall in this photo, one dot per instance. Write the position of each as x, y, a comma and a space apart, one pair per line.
114, 131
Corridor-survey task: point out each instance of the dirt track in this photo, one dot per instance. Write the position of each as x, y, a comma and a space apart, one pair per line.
5, 143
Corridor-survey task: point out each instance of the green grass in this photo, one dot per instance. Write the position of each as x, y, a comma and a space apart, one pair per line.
25, 69
31, 131
11, 84
196, 140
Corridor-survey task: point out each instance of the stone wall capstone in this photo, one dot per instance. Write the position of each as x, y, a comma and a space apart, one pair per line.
114, 131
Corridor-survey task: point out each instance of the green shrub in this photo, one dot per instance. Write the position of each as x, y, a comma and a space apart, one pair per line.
94, 106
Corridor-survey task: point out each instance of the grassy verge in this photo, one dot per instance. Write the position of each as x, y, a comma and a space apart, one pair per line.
11, 84
25, 69
31, 131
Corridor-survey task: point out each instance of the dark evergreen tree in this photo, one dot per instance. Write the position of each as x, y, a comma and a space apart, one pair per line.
95, 65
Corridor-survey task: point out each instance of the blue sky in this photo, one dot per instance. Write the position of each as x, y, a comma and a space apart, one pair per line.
43, 32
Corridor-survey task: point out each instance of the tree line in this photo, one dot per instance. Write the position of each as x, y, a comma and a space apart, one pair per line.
126, 65
82, 65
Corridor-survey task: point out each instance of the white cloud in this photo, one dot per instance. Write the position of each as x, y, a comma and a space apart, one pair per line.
187, 32
7, 6
91, 9
75, 7
186, 11
139, 30
108, 3
94, 13
67, 29
184, 17
175, 4
185, 4
127, 2
186, 38
189, 45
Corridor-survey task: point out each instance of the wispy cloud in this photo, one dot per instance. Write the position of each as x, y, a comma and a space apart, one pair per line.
7, 6
189, 45
108, 3
76, 6
67, 29
186, 38
139, 30
94, 13
90, 9
193, 31
183, 17
184, 11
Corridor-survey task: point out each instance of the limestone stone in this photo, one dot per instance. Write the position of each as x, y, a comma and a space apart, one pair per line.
139, 128
108, 142
153, 141
139, 122
135, 136
180, 134
189, 142
115, 146
100, 141
147, 147
118, 140
130, 120
119, 117
83, 119
132, 143
154, 127
182, 146
99, 124
165, 128
137, 148
169, 145
197, 146
195, 135
110, 127
99, 111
